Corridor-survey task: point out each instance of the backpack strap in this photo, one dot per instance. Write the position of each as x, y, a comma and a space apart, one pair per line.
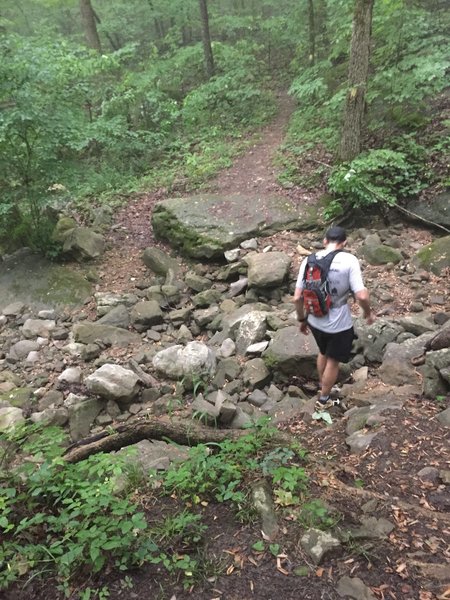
324, 263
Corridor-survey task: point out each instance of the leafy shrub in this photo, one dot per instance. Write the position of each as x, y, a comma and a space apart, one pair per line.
376, 177
64, 517
227, 100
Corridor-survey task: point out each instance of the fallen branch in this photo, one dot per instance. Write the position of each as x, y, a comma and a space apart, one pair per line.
181, 430
415, 216
147, 379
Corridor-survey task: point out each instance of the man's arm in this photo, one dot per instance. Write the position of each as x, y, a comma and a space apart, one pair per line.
362, 298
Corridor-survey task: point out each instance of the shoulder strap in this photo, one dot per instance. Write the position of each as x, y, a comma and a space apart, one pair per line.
325, 262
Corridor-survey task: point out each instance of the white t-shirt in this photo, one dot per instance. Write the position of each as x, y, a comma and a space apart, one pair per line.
344, 277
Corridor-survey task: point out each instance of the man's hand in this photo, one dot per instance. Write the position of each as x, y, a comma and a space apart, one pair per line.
304, 328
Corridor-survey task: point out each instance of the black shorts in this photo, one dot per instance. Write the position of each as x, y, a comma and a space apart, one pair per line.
335, 345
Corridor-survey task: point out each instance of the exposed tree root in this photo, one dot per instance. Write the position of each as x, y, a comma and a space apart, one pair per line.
181, 430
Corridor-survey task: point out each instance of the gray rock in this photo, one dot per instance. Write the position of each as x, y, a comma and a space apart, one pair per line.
354, 588
436, 362
10, 417
257, 398
108, 300
396, 368
206, 298
51, 399
179, 361
232, 255
358, 442
257, 348
374, 339
149, 455
267, 270
71, 375
146, 314
436, 256
81, 417
255, 373
264, 506
183, 334
429, 474
33, 328
319, 544
252, 329
89, 333
444, 417
238, 286
241, 419
288, 408
205, 316
14, 309
227, 348
436, 210
204, 411
51, 416
381, 254
20, 350
373, 529
159, 262
417, 324
207, 226
292, 353
113, 382
48, 313
118, 316
251, 244
83, 243
197, 282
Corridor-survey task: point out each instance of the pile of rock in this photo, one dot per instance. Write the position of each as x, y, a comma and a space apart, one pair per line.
220, 340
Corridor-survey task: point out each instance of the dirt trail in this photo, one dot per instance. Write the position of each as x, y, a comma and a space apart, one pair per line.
254, 172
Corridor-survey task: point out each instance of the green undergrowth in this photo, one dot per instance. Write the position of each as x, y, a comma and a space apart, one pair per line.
61, 520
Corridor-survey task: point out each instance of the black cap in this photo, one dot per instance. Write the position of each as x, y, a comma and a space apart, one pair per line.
336, 234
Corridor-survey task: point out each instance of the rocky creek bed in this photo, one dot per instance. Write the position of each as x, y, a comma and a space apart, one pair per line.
218, 342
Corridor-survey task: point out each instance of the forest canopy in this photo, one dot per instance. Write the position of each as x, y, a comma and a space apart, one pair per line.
100, 99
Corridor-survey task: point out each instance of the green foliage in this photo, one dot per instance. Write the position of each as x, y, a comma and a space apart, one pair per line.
378, 177
315, 514
60, 517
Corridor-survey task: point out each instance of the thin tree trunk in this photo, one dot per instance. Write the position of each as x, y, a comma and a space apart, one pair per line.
357, 80
206, 38
90, 26
312, 32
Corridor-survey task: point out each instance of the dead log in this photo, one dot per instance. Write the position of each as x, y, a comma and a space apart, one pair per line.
181, 430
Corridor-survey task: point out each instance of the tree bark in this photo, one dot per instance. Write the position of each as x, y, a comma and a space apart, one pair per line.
312, 32
358, 69
181, 430
89, 25
206, 39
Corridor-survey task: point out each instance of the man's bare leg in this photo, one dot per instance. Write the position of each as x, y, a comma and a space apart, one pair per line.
329, 376
321, 364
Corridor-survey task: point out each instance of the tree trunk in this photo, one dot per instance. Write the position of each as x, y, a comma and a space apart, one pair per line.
312, 33
90, 26
357, 80
181, 430
206, 39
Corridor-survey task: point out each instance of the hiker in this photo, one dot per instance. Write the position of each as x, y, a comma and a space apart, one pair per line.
328, 316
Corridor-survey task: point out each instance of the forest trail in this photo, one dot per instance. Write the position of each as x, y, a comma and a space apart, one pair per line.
254, 172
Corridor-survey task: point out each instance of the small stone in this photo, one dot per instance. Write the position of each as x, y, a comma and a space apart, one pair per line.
429, 474
319, 544
71, 375
232, 255
354, 588
251, 244
416, 307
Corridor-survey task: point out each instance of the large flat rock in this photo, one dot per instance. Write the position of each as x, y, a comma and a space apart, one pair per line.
206, 226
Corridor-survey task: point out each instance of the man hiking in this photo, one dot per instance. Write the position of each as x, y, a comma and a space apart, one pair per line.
329, 318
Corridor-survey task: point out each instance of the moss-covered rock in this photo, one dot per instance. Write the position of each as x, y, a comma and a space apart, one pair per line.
206, 226
381, 254
436, 256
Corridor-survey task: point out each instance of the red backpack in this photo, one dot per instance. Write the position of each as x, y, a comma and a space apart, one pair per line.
316, 290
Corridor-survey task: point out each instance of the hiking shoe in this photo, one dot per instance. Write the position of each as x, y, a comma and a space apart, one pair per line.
322, 405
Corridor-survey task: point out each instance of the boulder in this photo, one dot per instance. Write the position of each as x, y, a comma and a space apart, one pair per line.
107, 300
436, 256
374, 339
113, 382
118, 316
380, 254
33, 328
159, 261
396, 368
83, 243
292, 352
255, 373
268, 269
194, 359
434, 382
436, 210
10, 417
207, 226
89, 333
20, 350
146, 314
319, 544
82, 414
252, 329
